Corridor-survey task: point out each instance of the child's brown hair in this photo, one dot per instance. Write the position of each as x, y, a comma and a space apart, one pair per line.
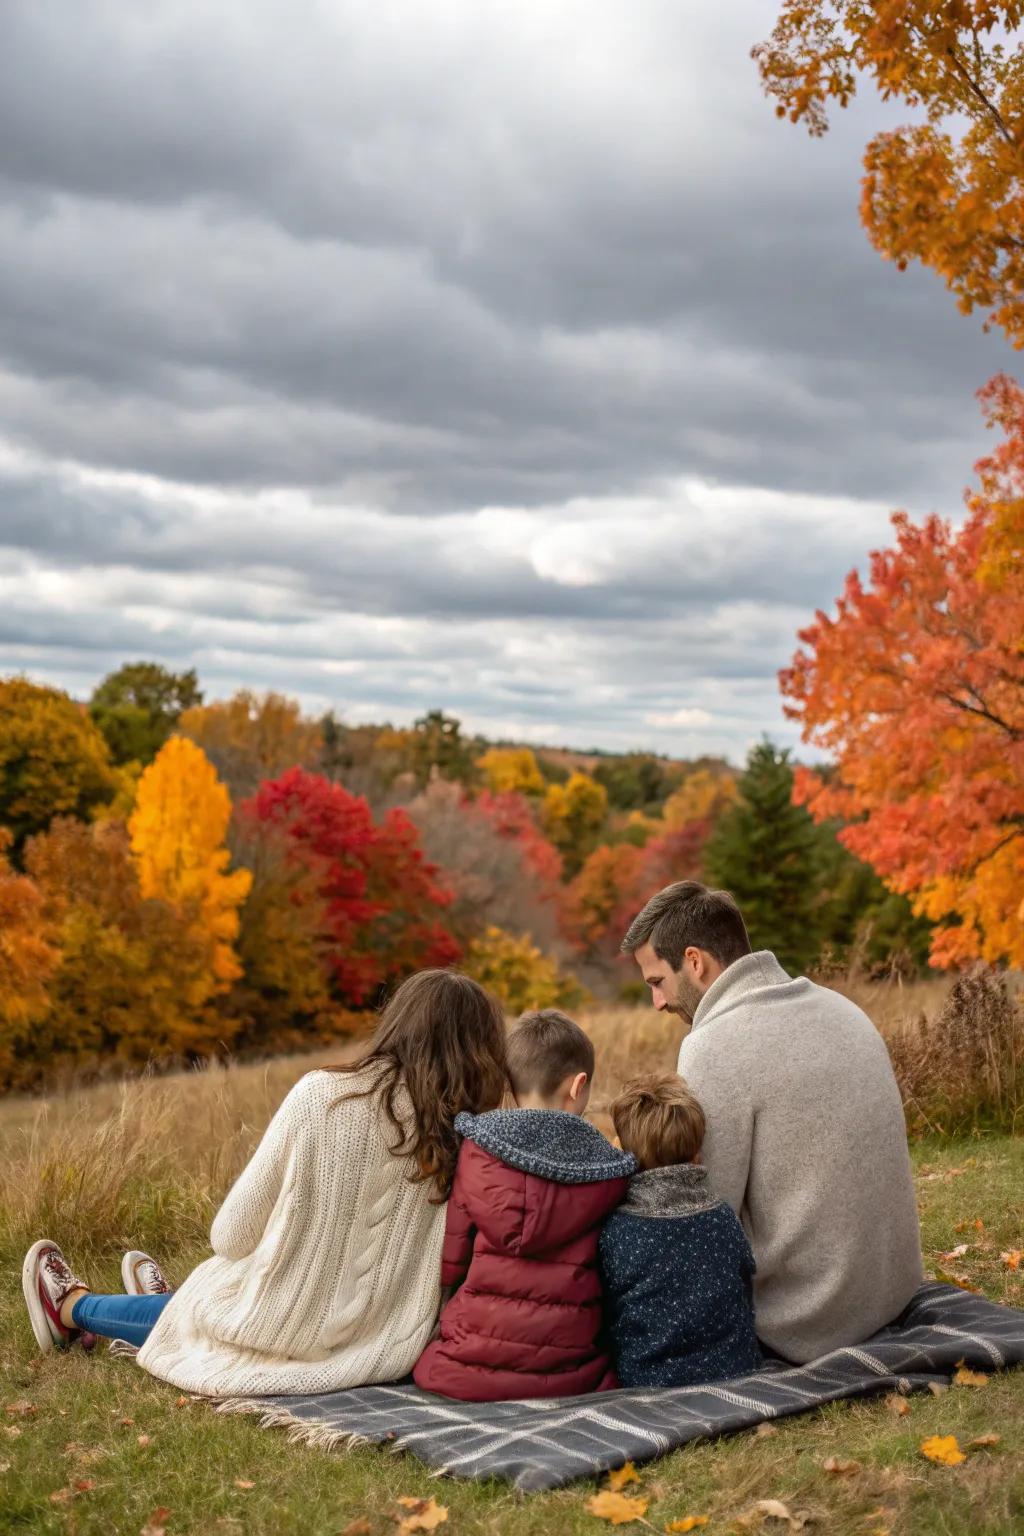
657, 1118
543, 1048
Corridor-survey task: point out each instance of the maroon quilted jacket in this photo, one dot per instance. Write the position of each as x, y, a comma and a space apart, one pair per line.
531, 1191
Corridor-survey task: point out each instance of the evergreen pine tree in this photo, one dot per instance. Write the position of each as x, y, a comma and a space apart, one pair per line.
765, 850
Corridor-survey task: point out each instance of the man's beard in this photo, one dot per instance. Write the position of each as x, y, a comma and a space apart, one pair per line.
688, 996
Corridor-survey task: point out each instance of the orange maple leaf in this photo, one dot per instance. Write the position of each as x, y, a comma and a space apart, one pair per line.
943, 1449
616, 1508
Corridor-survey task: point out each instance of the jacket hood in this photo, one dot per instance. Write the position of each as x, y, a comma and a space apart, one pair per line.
550, 1143
750, 980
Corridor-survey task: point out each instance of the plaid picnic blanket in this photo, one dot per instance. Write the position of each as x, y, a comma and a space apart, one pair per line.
543, 1443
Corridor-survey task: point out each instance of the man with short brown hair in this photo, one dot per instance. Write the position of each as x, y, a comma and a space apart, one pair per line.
805, 1132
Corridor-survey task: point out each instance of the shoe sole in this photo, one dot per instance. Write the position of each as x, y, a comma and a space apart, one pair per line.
30, 1286
128, 1279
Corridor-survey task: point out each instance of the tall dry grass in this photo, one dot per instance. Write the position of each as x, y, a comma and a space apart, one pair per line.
145, 1162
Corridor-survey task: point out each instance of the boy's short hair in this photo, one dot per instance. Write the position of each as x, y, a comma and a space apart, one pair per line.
657, 1118
544, 1047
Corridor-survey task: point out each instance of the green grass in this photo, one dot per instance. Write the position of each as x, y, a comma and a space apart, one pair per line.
194, 1460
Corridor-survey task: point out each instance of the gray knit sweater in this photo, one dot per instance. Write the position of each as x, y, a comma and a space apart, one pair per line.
806, 1141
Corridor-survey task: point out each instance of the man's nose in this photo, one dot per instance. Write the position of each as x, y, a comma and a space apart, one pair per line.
658, 999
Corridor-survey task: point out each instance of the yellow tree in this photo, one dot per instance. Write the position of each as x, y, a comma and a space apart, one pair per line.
53, 760
948, 191
178, 831
704, 794
572, 815
511, 770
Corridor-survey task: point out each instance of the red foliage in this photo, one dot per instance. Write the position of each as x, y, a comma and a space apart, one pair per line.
616, 881
382, 900
916, 689
513, 816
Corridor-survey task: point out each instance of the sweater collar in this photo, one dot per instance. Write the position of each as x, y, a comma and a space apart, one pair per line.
550, 1143
748, 974
682, 1189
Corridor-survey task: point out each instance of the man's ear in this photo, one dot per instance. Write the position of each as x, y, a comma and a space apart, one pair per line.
695, 959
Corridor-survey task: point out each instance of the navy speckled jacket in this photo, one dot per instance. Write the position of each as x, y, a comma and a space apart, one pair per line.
677, 1271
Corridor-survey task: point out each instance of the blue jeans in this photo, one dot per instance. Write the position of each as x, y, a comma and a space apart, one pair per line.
130, 1318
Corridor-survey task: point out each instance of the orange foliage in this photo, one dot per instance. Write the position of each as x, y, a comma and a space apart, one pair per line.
946, 194
916, 688
27, 956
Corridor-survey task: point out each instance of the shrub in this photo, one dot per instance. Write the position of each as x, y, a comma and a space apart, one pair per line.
516, 972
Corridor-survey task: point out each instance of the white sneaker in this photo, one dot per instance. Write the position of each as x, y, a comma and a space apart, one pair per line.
142, 1275
47, 1280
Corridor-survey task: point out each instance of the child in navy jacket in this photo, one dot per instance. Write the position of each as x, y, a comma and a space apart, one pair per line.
676, 1265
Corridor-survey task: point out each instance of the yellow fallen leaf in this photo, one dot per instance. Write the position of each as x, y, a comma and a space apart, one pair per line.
944, 1449
968, 1378
618, 1477
424, 1515
616, 1508
688, 1523
840, 1468
980, 1442
897, 1404
961, 1281
1013, 1258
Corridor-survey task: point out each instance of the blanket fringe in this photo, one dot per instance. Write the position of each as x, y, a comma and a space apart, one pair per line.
299, 1432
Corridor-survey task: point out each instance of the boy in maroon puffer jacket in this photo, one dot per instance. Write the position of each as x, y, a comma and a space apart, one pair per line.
532, 1188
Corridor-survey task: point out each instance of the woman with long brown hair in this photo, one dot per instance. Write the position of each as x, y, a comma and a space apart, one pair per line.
326, 1252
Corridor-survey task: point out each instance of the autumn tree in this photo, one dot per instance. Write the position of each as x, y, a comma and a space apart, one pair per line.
130, 982
916, 690
251, 737
53, 760
137, 707
437, 745
947, 191
765, 852
384, 906
489, 863
511, 770
617, 879
28, 959
634, 780
178, 835
519, 974
702, 794
514, 818
572, 815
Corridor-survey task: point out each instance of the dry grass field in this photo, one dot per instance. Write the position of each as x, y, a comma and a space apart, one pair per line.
145, 1162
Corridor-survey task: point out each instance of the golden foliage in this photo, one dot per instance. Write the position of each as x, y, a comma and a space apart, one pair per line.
178, 832
944, 1449
519, 974
511, 770
704, 794
53, 760
949, 191
572, 815
252, 737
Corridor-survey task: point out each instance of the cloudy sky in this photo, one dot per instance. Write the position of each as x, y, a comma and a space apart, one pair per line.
510, 359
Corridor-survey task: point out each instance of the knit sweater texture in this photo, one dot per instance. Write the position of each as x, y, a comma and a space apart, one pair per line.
806, 1141
677, 1272
326, 1267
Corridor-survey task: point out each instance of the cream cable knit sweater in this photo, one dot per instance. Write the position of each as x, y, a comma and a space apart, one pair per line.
327, 1260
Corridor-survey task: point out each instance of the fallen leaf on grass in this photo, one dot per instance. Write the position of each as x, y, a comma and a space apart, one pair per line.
618, 1477
143, 1440
358, 1527
965, 1377
616, 1507
960, 1281
126, 1423
977, 1225
1013, 1258
23, 1409
182, 1402
955, 1253
774, 1509
897, 1404
763, 1431
943, 1449
936, 1388
12, 1431
65, 1495
840, 1468
688, 1523
156, 1525
244, 1484
424, 1515
981, 1442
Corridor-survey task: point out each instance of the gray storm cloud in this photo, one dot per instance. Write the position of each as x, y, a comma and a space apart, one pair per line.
519, 362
